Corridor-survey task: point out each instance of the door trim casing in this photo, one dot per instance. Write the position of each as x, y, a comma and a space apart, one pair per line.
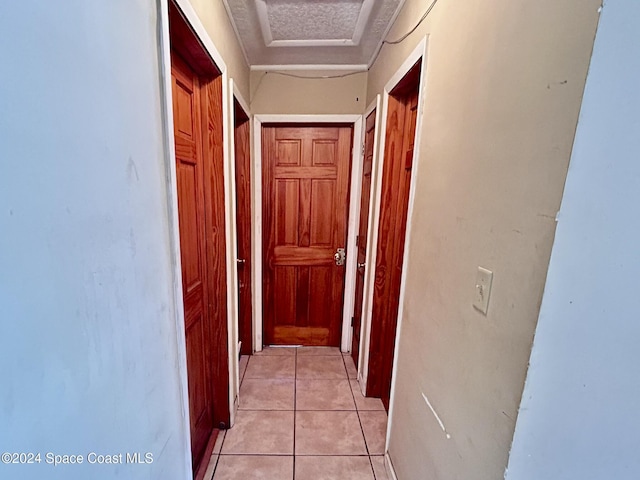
418, 54
164, 60
369, 273
236, 93
174, 233
234, 334
356, 165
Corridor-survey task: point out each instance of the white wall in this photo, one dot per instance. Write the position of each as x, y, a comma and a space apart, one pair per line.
580, 418
88, 337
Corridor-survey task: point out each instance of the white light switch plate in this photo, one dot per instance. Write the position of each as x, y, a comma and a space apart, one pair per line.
482, 292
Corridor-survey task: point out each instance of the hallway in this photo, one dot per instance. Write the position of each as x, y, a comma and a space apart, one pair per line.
143, 245
301, 416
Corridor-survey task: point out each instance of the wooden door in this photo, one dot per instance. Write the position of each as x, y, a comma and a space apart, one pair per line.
197, 117
361, 239
243, 224
396, 180
191, 211
216, 248
305, 210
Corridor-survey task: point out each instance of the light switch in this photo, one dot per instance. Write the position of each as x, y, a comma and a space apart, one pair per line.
481, 295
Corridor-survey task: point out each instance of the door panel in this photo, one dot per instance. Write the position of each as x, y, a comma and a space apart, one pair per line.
198, 132
363, 228
322, 211
191, 208
243, 224
216, 248
388, 340
396, 180
305, 205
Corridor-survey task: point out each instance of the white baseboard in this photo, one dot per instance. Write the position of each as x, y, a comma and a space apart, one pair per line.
391, 473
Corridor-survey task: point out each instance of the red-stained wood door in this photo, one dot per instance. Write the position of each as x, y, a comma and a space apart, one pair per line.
197, 117
191, 212
396, 181
363, 227
243, 224
305, 209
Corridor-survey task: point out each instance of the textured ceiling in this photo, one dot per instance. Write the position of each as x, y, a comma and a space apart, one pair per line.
291, 20
311, 32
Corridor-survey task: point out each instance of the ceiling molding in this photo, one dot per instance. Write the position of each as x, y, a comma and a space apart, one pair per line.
363, 18
263, 19
333, 67
237, 32
376, 52
311, 32
315, 42
354, 40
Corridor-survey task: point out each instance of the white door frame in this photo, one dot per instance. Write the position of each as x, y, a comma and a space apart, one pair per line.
230, 204
237, 95
356, 166
368, 271
196, 25
418, 54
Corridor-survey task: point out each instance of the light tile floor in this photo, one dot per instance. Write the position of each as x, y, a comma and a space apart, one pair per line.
301, 416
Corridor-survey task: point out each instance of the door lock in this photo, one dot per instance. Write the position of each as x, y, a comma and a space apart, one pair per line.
340, 256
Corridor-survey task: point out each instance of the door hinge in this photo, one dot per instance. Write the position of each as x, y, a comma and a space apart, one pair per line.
363, 149
352, 321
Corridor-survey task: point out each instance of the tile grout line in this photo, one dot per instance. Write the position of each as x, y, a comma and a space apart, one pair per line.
219, 454
262, 410
295, 406
224, 435
295, 412
359, 420
302, 455
224, 438
245, 371
253, 454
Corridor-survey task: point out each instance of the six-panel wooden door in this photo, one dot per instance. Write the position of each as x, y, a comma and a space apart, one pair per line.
305, 209
191, 212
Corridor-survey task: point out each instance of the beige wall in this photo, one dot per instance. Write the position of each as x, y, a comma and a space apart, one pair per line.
216, 21
582, 380
503, 91
279, 94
